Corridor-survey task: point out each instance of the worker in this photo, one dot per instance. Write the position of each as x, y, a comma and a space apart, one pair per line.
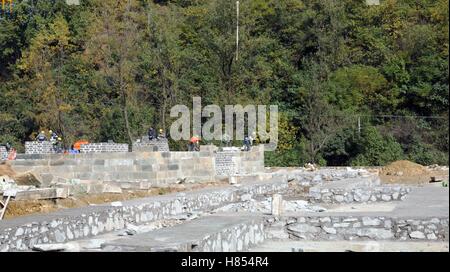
8, 146
41, 137
12, 154
151, 133
194, 144
53, 136
247, 144
72, 150
59, 145
161, 133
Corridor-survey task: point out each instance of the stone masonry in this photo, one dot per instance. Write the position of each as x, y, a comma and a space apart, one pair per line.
39, 148
359, 195
22, 233
156, 145
139, 170
357, 228
103, 148
3, 153
231, 163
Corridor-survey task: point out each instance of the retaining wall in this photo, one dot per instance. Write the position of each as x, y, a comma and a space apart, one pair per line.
357, 228
359, 195
312, 178
139, 170
22, 233
234, 239
214, 233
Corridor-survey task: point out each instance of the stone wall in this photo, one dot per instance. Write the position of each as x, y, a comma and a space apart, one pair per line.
232, 163
219, 233
129, 170
312, 178
233, 239
360, 195
36, 147
156, 145
357, 228
139, 170
22, 233
3, 153
103, 148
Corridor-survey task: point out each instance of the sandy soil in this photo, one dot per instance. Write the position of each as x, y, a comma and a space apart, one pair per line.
5, 170
406, 172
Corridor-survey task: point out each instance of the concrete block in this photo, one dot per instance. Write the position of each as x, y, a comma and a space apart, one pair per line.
36, 194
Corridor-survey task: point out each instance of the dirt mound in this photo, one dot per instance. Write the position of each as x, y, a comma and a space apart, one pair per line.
406, 172
403, 168
6, 170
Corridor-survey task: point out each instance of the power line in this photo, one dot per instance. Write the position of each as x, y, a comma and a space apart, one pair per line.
403, 116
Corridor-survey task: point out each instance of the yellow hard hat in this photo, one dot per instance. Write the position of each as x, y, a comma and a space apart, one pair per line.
50, 131
42, 132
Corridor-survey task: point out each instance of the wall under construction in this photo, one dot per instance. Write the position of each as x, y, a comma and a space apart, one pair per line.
141, 170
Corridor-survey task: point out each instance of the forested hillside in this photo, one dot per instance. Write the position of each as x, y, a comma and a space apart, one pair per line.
355, 84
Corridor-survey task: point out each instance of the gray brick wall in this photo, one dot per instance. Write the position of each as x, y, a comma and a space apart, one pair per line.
3, 153
157, 145
103, 148
39, 148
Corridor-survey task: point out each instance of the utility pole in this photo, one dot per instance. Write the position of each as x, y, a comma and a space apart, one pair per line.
237, 30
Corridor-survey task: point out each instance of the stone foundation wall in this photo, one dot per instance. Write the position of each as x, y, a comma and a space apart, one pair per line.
357, 228
325, 174
359, 195
39, 148
103, 148
20, 234
234, 239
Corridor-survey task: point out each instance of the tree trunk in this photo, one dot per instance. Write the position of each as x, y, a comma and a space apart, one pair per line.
124, 107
